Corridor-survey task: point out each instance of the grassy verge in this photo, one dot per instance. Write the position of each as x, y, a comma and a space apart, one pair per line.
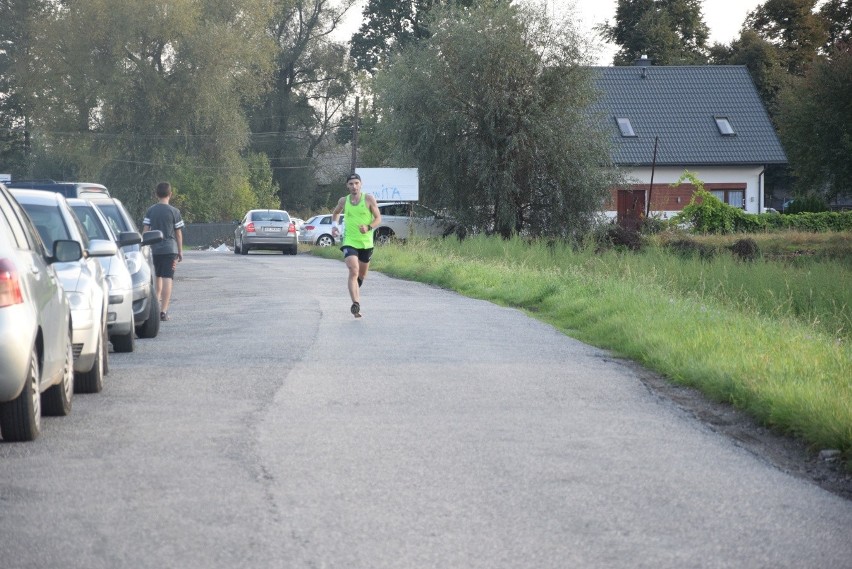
700, 323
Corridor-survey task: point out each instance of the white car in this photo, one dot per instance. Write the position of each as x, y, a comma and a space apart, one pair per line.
83, 281
120, 321
403, 219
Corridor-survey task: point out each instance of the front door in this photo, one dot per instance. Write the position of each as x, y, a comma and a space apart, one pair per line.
630, 208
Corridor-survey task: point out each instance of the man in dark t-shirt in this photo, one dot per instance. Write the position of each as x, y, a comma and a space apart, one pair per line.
166, 218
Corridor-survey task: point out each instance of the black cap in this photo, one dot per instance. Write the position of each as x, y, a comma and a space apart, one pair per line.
353, 176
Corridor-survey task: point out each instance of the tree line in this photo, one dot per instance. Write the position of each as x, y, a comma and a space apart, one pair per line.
252, 103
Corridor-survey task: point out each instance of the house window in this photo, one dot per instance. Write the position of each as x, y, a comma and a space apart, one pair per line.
625, 127
735, 198
724, 126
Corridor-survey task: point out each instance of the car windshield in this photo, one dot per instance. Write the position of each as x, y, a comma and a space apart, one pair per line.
49, 222
93, 226
114, 217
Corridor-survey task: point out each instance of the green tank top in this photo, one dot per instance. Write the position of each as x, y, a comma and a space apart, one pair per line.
354, 216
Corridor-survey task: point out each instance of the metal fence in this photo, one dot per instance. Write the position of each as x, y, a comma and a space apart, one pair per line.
207, 234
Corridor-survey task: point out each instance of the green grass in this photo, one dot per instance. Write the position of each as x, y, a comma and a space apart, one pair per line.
770, 337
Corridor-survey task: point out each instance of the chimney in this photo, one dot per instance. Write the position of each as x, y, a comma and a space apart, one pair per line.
643, 61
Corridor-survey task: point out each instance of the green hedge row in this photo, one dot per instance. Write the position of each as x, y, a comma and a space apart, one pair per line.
816, 222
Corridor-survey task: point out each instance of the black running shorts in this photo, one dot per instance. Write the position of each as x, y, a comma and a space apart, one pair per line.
364, 255
164, 266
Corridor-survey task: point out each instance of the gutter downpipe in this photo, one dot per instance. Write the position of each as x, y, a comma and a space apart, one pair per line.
761, 200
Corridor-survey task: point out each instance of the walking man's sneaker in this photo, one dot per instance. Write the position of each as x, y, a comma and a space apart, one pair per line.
164, 316
356, 310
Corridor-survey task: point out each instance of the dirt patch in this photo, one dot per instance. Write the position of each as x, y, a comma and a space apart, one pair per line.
788, 454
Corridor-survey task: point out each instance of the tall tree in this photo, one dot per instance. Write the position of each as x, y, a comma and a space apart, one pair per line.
16, 100
669, 32
838, 16
763, 61
492, 109
130, 92
793, 27
812, 112
391, 25
310, 85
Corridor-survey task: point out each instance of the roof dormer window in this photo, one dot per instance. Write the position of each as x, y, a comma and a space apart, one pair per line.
625, 127
724, 126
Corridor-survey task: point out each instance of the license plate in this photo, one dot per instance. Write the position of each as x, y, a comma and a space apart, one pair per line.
278, 229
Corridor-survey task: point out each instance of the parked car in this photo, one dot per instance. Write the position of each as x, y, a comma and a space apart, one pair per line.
140, 262
266, 229
36, 355
83, 280
317, 231
67, 189
120, 328
402, 219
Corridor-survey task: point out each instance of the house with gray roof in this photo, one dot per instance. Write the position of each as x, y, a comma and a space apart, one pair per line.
665, 120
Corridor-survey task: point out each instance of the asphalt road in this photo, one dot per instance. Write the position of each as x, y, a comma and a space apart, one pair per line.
265, 427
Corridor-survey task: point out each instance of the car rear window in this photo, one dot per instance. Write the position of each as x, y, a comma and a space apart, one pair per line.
270, 216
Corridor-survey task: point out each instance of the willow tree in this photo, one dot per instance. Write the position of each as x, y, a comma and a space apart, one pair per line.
492, 109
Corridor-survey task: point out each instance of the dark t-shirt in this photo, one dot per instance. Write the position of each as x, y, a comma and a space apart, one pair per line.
165, 218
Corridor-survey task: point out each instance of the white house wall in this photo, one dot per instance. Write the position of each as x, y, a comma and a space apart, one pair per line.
748, 175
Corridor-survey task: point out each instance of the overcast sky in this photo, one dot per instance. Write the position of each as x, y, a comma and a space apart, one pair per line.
723, 17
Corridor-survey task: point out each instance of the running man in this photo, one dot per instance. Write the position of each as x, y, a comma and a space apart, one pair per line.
361, 214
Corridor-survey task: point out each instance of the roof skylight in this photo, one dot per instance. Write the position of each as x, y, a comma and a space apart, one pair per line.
625, 127
724, 125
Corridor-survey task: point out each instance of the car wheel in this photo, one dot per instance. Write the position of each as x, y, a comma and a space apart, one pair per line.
92, 381
384, 236
105, 346
325, 241
20, 419
57, 399
151, 327
244, 249
236, 248
125, 342
293, 250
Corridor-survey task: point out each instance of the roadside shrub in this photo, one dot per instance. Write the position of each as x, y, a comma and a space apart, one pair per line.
706, 213
811, 203
615, 236
745, 249
688, 248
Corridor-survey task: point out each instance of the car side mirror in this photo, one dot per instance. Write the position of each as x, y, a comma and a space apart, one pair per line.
101, 248
66, 251
151, 237
126, 238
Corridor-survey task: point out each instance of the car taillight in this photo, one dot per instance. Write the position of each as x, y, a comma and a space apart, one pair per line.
250, 227
10, 284
309, 228
292, 228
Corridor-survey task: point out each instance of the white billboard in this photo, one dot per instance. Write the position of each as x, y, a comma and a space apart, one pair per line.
390, 184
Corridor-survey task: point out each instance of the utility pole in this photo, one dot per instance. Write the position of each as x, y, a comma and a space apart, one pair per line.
355, 138
651, 185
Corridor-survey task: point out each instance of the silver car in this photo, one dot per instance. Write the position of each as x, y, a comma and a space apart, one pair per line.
317, 231
266, 229
140, 262
83, 280
36, 357
120, 328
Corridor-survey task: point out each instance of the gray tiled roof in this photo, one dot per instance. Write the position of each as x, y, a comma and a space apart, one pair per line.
678, 104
